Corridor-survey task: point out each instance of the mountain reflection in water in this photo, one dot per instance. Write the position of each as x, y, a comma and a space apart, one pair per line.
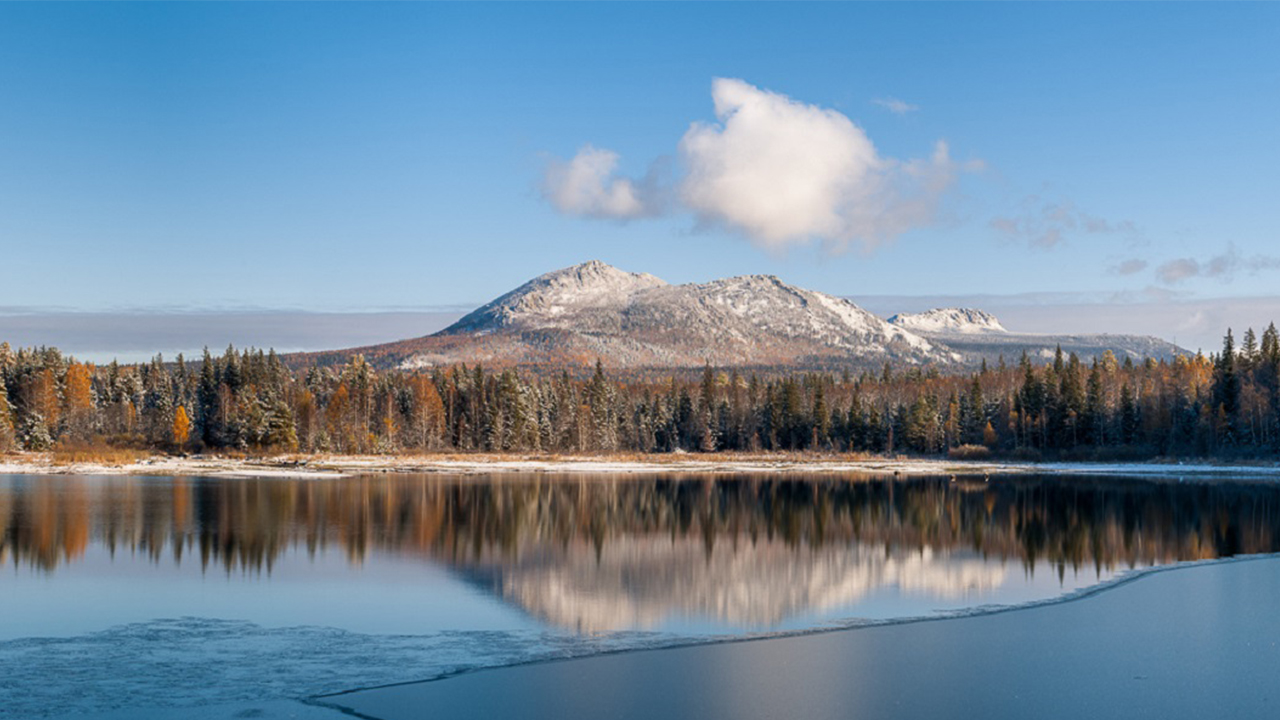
605, 552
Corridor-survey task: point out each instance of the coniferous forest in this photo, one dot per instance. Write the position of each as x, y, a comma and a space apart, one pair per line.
1225, 405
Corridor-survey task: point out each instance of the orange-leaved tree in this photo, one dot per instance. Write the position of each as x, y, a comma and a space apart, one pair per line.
181, 427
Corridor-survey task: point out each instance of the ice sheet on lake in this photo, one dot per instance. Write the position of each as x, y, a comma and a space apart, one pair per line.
205, 663
192, 662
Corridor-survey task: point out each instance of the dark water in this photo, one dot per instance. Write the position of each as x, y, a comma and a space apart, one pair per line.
199, 586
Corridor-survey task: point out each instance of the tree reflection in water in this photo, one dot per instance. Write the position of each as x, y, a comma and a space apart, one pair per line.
605, 552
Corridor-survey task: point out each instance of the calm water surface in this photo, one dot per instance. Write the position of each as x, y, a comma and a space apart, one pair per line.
429, 574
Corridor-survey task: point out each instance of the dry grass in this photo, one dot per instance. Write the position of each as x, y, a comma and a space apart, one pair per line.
969, 452
98, 453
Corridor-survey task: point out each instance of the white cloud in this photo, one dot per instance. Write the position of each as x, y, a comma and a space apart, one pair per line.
1223, 266
784, 172
1176, 271
896, 106
1130, 266
1046, 223
589, 185
779, 171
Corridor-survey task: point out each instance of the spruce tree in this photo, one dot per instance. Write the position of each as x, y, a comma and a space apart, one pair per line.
1226, 390
7, 439
1129, 419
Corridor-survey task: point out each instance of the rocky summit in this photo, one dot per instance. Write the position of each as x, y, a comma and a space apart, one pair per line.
594, 311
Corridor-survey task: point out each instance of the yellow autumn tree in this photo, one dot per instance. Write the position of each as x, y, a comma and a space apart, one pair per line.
181, 427
77, 398
428, 413
989, 436
337, 421
42, 394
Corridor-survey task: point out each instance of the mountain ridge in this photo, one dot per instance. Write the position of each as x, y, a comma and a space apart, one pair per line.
949, 320
635, 319
593, 311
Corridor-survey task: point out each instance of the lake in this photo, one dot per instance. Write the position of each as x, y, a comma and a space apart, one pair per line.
155, 592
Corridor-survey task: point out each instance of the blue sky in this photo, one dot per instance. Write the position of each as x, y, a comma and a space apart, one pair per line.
337, 157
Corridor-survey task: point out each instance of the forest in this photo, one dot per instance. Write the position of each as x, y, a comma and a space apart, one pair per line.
1225, 405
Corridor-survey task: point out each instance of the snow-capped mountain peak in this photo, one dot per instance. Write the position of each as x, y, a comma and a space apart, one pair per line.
966, 321
547, 299
632, 319
593, 311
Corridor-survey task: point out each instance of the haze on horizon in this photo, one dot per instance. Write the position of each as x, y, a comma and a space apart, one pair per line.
1087, 168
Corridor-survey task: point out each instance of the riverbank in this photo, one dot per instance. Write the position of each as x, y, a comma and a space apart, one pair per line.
1191, 642
332, 466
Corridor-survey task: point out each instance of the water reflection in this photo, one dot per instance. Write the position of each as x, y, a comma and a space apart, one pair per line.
604, 553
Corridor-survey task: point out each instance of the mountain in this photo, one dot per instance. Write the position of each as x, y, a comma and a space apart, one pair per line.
965, 321
576, 315
637, 320
641, 582
977, 335
547, 301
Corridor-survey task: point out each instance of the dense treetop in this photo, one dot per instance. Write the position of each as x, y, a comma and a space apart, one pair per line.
1226, 405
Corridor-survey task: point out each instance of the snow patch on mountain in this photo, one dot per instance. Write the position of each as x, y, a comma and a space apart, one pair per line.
966, 321
547, 299
631, 319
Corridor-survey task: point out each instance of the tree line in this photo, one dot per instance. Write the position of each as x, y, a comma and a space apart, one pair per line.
1226, 404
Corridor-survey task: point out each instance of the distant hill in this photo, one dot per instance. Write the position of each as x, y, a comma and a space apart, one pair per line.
978, 335
572, 316
962, 321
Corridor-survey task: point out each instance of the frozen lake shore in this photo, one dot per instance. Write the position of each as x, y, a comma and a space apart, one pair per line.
329, 466
1191, 642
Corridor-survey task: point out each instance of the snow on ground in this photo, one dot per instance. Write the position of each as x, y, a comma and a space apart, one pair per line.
211, 466
336, 466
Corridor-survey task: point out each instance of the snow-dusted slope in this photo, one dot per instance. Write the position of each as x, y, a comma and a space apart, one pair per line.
550, 300
595, 310
977, 335
591, 311
639, 582
967, 321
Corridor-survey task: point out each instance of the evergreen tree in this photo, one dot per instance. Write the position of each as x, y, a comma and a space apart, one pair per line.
1226, 391
1249, 350
1129, 418
7, 437
1095, 412
209, 426
976, 418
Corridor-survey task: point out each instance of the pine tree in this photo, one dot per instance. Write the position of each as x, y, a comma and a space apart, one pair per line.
708, 427
1226, 391
1249, 350
1129, 419
821, 419
602, 422
210, 428
977, 412
1270, 349
1095, 411
7, 438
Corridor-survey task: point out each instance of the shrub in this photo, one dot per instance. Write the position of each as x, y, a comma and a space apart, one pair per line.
96, 452
969, 452
34, 433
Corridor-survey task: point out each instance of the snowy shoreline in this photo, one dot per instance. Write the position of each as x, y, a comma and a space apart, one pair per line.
337, 466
